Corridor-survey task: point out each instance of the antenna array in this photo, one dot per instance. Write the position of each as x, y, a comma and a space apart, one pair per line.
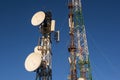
40, 61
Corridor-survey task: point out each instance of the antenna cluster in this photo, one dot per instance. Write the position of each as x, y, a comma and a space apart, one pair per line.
40, 61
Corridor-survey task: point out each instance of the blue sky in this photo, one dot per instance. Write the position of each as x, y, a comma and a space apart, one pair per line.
18, 37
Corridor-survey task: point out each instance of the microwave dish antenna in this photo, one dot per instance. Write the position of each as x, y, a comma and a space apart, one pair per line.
32, 62
38, 18
38, 49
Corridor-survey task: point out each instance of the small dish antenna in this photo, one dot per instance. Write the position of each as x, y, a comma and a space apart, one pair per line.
33, 62
38, 49
38, 18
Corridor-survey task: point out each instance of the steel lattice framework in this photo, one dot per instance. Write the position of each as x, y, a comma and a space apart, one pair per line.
44, 72
81, 53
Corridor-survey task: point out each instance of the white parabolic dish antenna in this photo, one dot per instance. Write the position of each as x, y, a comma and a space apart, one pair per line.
32, 62
38, 18
37, 49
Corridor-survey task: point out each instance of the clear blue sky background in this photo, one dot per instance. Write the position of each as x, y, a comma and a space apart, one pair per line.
18, 37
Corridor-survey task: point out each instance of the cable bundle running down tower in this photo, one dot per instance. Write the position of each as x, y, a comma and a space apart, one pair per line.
79, 55
40, 61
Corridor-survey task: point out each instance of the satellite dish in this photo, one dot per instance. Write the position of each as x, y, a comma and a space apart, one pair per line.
32, 62
38, 18
37, 49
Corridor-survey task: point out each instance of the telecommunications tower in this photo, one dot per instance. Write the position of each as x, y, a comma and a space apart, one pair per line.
79, 54
40, 61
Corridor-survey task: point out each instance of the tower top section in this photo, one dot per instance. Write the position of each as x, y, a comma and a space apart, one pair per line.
77, 4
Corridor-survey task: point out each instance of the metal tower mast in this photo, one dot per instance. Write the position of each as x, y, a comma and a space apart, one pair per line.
44, 72
82, 54
40, 61
72, 47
